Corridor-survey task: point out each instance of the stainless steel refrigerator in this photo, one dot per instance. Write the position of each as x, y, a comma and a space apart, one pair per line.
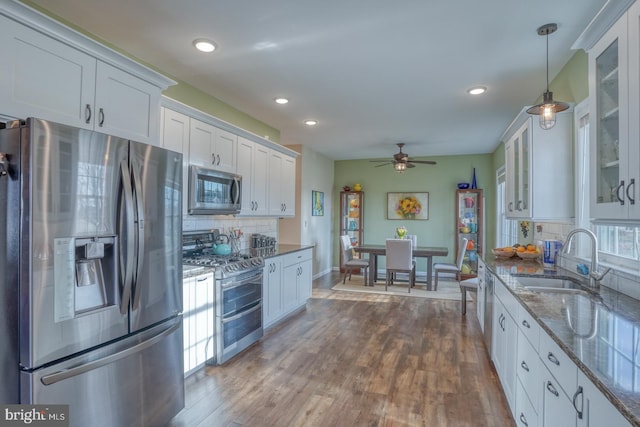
92, 279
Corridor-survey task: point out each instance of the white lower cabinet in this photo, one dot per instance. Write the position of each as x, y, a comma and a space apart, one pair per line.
287, 283
272, 291
198, 320
593, 408
505, 341
557, 409
525, 414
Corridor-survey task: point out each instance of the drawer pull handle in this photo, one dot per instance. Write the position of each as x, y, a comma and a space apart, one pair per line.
553, 359
552, 389
523, 419
526, 324
100, 117
575, 397
525, 366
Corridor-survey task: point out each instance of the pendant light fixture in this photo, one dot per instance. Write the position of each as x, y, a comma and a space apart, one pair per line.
548, 108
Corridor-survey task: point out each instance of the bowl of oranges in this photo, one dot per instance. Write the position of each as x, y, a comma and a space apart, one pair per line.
528, 252
506, 252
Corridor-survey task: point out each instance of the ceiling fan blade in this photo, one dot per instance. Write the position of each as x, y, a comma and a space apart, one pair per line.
424, 162
384, 164
410, 165
379, 160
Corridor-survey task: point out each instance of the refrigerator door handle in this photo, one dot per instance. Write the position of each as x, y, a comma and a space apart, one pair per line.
126, 273
78, 370
140, 235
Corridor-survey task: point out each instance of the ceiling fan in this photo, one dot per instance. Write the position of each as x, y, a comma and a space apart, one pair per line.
401, 161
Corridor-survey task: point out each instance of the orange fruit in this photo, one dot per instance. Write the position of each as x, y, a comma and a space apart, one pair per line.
520, 249
531, 248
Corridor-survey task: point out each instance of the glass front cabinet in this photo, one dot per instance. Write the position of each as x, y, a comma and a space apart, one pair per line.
470, 225
351, 218
613, 67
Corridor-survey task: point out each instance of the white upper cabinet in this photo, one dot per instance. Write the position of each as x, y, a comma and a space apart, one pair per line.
174, 135
282, 184
539, 169
212, 147
253, 166
614, 80
54, 73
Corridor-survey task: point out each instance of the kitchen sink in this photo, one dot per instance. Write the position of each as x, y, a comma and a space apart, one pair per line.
548, 282
555, 290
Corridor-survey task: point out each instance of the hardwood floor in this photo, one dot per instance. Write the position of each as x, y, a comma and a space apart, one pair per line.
355, 360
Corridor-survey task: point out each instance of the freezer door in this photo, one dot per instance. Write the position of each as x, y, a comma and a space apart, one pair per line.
136, 382
69, 291
157, 186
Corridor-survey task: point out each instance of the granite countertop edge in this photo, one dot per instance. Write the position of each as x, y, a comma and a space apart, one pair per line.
628, 403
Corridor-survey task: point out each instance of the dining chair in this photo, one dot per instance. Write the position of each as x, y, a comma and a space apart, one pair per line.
349, 262
445, 267
399, 254
469, 285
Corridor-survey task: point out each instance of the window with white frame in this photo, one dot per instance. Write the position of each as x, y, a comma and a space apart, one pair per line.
618, 245
506, 229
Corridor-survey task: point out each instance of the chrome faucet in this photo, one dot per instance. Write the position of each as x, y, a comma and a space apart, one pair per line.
594, 276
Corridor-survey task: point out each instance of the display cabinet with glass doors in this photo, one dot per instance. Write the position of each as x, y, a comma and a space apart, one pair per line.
351, 219
469, 225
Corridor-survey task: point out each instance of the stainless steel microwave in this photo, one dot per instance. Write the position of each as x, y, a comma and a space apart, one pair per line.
214, 192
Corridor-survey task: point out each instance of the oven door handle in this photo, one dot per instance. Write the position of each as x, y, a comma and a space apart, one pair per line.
233, 284
243, 313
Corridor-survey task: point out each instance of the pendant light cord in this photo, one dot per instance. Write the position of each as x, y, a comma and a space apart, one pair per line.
547, 37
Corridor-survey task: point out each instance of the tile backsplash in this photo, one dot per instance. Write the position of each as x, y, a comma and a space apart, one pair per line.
626, 282
249, 226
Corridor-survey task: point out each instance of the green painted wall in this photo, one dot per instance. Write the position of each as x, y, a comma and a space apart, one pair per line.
438, 180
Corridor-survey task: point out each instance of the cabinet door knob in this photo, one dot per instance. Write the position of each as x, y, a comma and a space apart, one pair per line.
575, 398
553, 359
552, 389
87, 114
620, 186
523, 420
526, 324
524, 366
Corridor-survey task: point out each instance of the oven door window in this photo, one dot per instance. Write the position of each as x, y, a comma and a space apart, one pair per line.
239, 326
240, 296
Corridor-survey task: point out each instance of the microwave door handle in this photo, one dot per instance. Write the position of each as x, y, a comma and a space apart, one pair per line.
139, 233
235, 191
126, 222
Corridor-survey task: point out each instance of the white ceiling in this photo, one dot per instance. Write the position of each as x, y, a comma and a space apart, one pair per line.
372, 72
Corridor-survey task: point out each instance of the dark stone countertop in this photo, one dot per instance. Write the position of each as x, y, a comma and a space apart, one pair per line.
603, 338
270, 252
277, 250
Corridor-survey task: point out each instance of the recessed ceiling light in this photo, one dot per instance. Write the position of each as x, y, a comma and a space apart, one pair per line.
477, 90
310, 122
281, 101
204, 45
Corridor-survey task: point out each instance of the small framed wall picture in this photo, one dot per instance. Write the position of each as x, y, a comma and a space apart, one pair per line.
317, 203
410, 205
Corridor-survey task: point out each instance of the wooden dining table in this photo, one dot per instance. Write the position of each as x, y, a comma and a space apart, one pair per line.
374, 251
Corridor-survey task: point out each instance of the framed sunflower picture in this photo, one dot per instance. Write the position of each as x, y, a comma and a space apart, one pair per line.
408, 206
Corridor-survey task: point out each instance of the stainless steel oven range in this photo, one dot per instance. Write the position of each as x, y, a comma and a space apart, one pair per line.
238, 283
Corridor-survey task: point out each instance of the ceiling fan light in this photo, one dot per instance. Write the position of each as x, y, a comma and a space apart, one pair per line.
400, 167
